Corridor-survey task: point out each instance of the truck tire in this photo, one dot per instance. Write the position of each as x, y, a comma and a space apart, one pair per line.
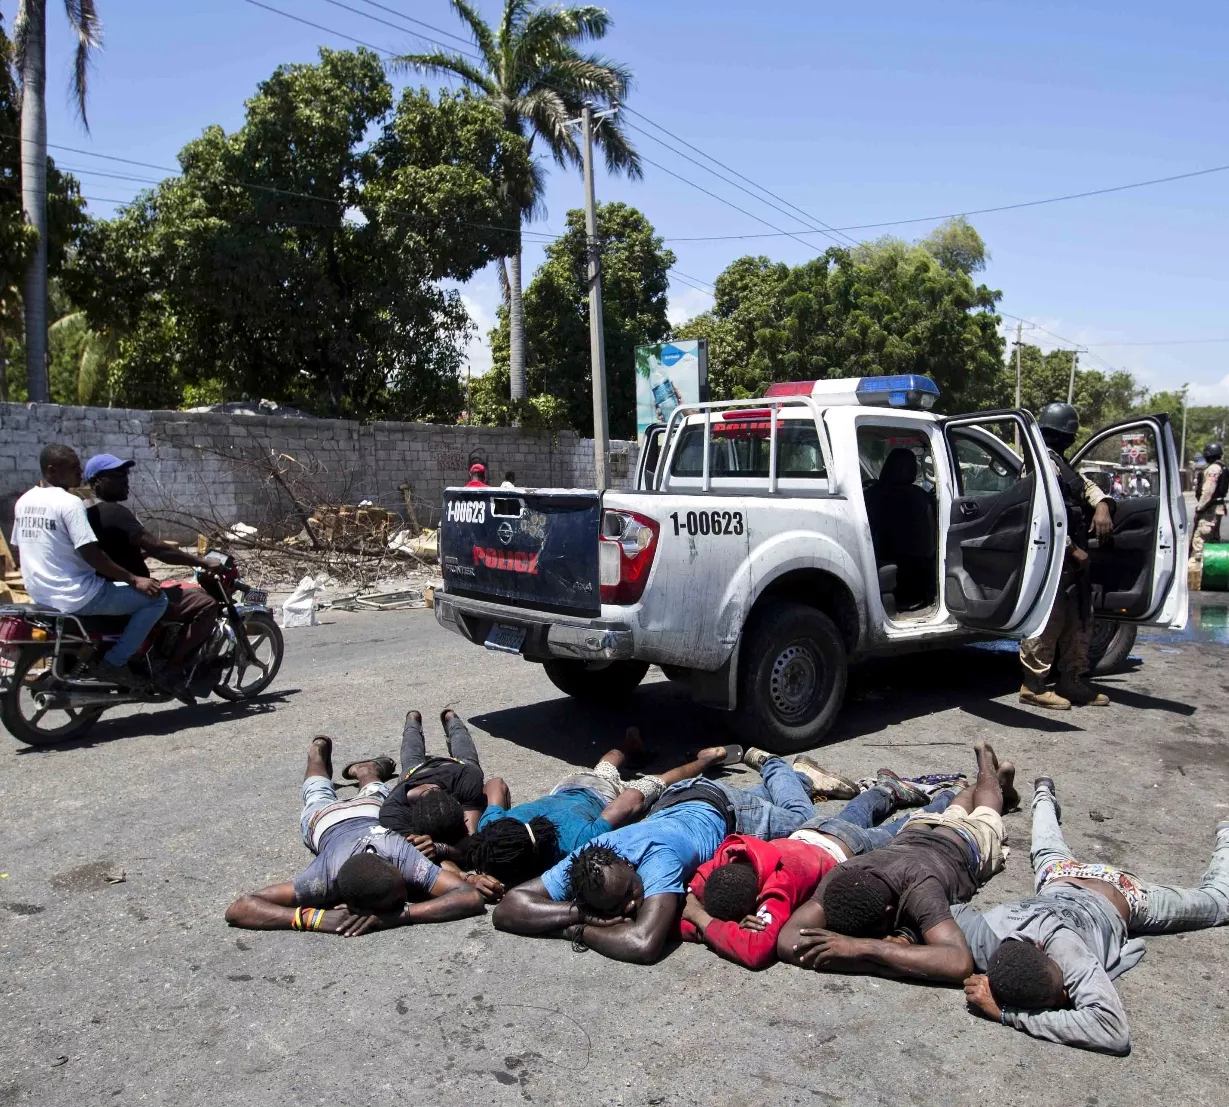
792, 683
1112, 643
606, 684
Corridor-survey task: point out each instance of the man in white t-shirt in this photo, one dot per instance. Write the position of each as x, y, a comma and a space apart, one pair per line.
64, 567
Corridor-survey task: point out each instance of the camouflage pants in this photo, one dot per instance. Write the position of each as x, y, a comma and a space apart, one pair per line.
1203, 531
1064, 634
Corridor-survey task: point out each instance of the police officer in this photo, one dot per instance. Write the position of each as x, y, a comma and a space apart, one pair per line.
1068, 631
1210, 488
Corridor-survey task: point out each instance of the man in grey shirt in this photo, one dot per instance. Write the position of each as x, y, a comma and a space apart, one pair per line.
1049, 960
364, 875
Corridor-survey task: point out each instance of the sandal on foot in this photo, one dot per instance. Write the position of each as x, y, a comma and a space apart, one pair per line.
386, 767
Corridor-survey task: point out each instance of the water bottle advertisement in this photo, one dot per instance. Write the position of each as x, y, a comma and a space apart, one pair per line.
669, 374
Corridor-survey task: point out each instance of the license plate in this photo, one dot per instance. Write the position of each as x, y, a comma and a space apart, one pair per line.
507, 638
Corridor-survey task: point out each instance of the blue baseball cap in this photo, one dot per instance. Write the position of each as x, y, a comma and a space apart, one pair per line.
102, 463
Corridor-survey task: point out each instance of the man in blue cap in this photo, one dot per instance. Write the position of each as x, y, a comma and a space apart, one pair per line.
125, 540
64, 567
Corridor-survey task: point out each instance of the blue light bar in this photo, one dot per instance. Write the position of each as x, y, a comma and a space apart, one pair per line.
904, 390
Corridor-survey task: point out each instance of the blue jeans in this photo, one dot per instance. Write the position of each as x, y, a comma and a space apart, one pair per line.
123, 599
774, 809
1168, 909
860, 824
319, 794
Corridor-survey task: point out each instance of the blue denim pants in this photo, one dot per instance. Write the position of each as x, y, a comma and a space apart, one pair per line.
860, 824
123, 599
1168, 909
774, 809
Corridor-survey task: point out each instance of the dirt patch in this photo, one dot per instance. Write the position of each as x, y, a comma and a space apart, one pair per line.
1183, 754
84, 877
24, 908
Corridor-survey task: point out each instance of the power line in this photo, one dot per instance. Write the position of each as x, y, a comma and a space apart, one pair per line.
1166, 342
320, 27
689, 277
429, 26
728, 169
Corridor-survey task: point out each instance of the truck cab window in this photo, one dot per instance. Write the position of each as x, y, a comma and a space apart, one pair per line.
897, 466
741, 446
984, 463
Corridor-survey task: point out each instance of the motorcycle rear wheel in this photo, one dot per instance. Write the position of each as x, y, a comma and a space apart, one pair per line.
22, 715
265, 639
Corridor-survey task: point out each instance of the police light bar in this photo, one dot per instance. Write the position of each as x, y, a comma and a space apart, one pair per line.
907, 390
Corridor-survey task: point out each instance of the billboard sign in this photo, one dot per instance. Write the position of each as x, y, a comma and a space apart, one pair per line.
1134, 449
669, 374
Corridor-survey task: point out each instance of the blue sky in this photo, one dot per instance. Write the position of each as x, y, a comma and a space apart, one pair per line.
856, 113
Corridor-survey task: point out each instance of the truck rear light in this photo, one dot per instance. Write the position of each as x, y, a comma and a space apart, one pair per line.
625, 555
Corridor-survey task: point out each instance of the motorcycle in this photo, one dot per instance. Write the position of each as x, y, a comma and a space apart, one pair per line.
47, 694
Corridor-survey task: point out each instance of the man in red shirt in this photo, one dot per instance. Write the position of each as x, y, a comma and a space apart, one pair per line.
738, 902
477, 476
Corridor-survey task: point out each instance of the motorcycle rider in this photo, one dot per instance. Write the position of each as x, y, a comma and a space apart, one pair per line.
125, 540
64, 566
1210, 488
1068, 631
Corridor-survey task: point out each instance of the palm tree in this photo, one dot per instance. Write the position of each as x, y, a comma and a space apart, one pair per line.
530, 69
30, 39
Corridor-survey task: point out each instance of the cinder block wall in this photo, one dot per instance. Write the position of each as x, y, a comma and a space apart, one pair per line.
194, 469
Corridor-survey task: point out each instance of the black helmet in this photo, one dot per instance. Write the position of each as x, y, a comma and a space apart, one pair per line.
1059, 425
1213, 451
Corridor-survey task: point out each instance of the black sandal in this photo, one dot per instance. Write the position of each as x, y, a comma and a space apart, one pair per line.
386, 767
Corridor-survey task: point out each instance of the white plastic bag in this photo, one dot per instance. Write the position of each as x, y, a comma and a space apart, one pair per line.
300, 609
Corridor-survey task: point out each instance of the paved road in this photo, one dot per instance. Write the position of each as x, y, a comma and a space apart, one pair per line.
137, 992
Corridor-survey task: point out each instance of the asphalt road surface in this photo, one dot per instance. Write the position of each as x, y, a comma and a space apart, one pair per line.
137, 991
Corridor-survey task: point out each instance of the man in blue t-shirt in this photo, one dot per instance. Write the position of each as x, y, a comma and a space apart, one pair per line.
515, 844
621, 893
364, 876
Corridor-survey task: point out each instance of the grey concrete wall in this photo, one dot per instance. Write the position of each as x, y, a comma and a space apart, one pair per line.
198, 468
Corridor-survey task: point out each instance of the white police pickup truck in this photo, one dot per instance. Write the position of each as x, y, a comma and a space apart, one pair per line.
771, 542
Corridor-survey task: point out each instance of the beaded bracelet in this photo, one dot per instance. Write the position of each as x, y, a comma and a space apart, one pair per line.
297, 922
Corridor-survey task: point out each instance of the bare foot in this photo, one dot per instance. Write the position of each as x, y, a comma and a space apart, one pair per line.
1007, 785
320, 750
981, 749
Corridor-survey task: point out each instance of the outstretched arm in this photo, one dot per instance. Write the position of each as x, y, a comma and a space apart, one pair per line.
271, 908
529, 909
944, 955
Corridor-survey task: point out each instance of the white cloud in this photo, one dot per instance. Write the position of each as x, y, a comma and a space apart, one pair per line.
686, 303
1210, 394
481, 297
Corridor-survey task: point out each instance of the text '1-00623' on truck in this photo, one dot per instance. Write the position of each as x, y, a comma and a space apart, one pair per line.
770, 543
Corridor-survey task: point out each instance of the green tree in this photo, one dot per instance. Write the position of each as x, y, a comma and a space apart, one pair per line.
634, 284
30, 32
533, 73
1100, 398
297, 261
881, 307
18, 240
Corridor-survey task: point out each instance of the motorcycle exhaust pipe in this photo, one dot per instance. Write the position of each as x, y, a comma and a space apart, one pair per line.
59, 701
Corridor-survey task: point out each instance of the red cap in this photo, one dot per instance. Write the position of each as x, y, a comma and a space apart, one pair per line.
477, 467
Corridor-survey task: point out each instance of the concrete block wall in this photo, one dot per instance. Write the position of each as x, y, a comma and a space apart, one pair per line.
199, 468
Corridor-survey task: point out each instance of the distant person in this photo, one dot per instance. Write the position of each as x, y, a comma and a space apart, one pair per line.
125, 541
1210, 487
1048, 960
1140, 485
1067, 633
364, 877
64, 566
1117, 490
477, 476
509, 480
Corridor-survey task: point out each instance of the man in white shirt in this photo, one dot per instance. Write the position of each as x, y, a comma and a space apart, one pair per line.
64, 567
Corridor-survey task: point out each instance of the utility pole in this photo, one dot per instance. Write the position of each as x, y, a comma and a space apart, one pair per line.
1019, 375
1185, 388
597, 338
1075, 359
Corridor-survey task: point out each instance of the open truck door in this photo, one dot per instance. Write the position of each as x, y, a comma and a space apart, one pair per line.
1139, 574
1006, 532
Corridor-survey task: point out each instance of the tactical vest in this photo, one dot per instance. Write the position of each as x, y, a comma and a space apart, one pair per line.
1222, 484
1079, 514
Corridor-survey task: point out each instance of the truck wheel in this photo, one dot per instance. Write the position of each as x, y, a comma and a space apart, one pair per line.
793, 678
603, 685
1111, 645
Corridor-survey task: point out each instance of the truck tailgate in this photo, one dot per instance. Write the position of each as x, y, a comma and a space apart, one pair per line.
529, 549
